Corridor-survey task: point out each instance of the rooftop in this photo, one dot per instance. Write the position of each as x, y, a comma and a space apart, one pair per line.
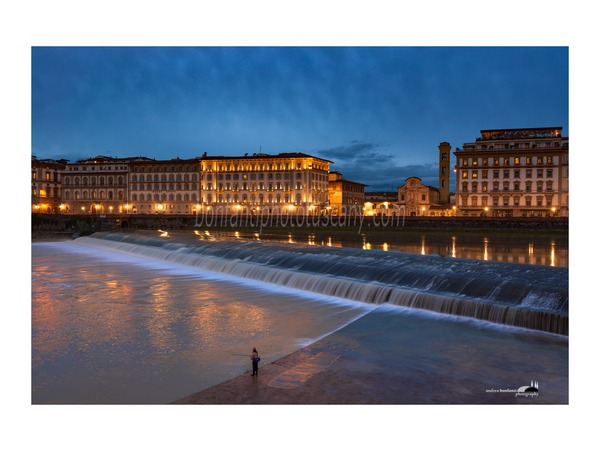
521, 133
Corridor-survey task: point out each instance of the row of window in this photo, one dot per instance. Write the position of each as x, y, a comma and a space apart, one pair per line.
145, 169
164, 197
93, 195
423, 197
253, 199
47, 176
164, 187
164, 178
48, 192
94, 181
539, 200
506, 173
517, 186
259, 186
262, 176
223, 167
516, 145
506, 161
84, 168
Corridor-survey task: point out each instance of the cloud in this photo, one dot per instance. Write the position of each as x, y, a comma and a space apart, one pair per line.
355, 150
382, 176
377, 166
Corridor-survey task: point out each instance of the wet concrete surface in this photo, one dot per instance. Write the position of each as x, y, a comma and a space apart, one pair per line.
396, 356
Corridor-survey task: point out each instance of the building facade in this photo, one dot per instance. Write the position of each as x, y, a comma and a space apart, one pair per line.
381, 203
46, 190
345, 197
163, 186
264, 184
95, 186
417, 199
518, 172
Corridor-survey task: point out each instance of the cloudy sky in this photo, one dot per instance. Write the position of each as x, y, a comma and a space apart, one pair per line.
379, 113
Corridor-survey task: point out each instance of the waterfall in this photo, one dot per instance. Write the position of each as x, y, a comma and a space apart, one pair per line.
534, 297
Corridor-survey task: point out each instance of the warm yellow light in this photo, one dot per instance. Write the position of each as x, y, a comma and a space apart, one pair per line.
486, 209
159, 206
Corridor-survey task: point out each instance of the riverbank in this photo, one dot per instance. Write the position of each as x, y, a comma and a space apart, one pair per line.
405, 358
92, 223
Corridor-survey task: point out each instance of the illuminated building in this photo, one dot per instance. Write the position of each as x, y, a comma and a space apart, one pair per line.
46, 185
518, 172
345, 197
415, 198
381, 203
95, 185
264, 184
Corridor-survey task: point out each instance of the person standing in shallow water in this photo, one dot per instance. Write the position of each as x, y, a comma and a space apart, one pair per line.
255, 360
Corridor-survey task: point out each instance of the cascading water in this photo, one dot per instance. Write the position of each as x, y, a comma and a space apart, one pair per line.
533, 297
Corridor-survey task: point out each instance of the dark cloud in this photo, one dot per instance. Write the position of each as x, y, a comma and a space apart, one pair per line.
397, 103
353, 151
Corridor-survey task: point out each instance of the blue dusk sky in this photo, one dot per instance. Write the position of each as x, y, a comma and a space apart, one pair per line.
379, 113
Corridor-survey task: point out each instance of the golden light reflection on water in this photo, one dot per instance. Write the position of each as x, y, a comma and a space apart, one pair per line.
485, 249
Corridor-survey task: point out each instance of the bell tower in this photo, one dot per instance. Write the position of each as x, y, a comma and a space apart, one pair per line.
444, 174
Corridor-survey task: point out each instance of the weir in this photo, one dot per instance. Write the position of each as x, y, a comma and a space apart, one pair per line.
534, 297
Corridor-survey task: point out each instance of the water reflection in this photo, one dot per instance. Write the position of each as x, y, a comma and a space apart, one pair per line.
485, 249
544, 249
116, 332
